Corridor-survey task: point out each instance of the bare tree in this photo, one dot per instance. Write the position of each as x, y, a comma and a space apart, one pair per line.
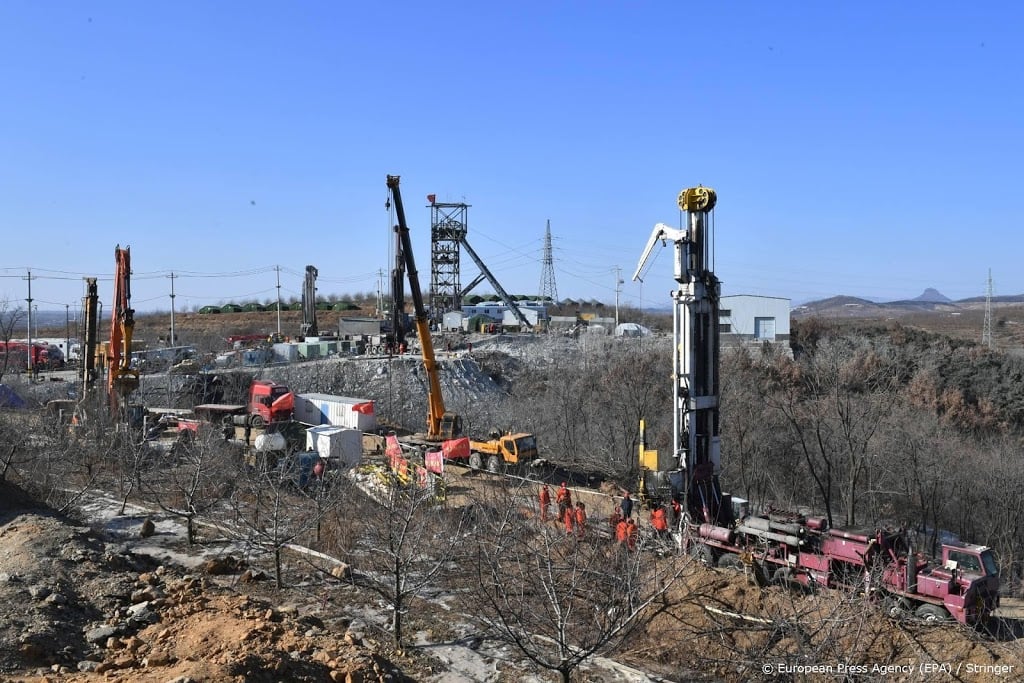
405, 543
196, 483
277, 506
10, 318
558, 598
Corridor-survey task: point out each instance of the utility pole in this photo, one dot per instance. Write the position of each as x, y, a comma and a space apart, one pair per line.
618, 289
986, 330
31, 365
67, 332
172, 276
380, 293
278, 269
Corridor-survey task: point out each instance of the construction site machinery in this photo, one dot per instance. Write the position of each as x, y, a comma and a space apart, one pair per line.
503, 449
267, 403
784, 547
962, 584
690, 472
122, 379
309, 326
440, 423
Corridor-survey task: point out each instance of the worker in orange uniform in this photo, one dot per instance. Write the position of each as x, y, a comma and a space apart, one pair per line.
622, 531
564, 499
631, 533
568, 517
659, 521
613, 522
581, 519
545, 502
677, 512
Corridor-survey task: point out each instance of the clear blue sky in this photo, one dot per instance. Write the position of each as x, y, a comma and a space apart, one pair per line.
868, 148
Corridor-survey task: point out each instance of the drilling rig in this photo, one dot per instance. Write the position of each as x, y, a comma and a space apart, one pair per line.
690, 472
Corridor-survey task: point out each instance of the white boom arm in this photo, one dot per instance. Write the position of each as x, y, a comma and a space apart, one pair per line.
664, 233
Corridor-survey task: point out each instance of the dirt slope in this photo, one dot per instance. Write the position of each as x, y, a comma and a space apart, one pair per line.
75, 608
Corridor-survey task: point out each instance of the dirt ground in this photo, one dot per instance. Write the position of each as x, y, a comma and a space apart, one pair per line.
76, 605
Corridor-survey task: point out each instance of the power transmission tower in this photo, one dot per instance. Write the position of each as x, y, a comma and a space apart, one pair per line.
548, 289
986, 329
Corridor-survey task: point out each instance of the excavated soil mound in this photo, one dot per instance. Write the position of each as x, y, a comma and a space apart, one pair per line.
76, 608
719, 621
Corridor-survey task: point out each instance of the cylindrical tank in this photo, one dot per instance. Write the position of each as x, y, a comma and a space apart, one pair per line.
761, 523
265, 443
715, 533
768, 535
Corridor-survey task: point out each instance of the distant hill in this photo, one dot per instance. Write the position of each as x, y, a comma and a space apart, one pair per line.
931, 300
933, 296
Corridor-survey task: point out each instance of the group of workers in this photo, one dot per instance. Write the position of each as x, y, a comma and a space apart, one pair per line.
624, 529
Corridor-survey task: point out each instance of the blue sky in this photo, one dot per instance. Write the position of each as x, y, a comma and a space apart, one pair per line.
868, 148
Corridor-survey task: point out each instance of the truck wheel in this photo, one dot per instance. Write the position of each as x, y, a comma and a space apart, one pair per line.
780, 577
730, 561
257, 421
896, 607
931, 613
494, 464
702, 554
475, 461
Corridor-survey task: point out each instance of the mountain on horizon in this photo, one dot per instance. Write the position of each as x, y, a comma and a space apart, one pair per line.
933, 296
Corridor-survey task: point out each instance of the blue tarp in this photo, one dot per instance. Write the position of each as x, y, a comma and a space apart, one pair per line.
9, 399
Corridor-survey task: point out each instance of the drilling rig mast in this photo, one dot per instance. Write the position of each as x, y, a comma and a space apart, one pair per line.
692, 469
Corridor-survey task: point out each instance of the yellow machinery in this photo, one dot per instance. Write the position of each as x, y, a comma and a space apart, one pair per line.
441, 424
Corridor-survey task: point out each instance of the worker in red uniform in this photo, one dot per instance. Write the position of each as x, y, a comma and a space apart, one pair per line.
568, 517
545, 502
622, 531
631, 534
564, 499
581, 518
659, 521
677, 512
613, 522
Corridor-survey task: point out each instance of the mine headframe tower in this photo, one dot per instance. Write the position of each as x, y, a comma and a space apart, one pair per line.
448, 229
448, 226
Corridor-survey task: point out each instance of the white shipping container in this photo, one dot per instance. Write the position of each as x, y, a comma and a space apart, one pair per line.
343, 448
337, 411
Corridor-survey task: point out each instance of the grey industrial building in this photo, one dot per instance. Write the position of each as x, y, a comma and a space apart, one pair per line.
745, 318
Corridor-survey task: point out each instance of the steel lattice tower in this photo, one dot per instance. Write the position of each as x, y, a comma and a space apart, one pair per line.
986, 329
448, 227
548, 289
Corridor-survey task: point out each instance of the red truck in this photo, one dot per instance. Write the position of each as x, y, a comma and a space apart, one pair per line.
269, 402
963, 583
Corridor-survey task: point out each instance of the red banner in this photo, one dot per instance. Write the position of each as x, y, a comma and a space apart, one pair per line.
456, 449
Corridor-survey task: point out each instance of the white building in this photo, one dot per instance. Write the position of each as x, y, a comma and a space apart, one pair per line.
750, 318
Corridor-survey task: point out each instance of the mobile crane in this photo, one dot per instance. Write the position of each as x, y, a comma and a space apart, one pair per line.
792, 548
122, 378
441, 424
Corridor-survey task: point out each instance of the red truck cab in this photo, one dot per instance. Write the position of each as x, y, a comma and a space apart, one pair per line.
269, 402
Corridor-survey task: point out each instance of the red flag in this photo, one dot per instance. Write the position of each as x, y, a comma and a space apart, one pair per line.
364, 408
431, 198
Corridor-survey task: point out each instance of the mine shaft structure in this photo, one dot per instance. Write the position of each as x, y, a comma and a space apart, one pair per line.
448, 229
693, 469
